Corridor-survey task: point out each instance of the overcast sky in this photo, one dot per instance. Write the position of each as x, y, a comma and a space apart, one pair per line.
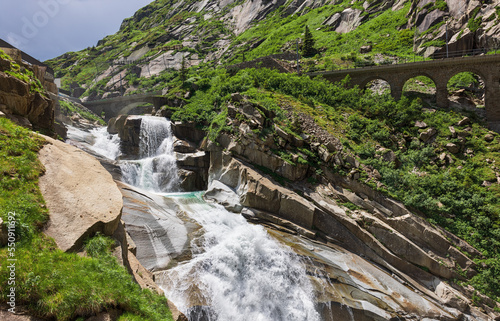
48, 28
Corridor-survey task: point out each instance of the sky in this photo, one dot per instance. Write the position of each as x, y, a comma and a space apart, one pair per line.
46, 29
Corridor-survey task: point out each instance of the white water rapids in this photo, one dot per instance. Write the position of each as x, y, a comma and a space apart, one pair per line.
242, 273
156, 170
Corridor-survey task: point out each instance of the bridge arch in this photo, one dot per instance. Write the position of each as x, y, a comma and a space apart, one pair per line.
364, 83
467, 91
422, 84
128, 108
412, 75
472, 69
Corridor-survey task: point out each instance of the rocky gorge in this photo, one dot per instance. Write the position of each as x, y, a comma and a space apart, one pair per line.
254, 193
398, 246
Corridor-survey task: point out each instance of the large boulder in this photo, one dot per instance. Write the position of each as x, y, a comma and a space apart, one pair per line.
81, 195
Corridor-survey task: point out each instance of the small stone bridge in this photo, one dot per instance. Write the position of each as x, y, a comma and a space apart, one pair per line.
113, 107
439, 71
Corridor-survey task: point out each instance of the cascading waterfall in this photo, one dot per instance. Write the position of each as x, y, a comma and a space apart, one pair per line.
98, 140
157, 169
105, 144
238, 271
242, 273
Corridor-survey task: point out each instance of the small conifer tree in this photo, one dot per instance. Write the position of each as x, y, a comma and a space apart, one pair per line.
308, 49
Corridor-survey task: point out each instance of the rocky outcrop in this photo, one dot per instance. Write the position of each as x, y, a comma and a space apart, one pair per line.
81, 195
128, 129
193, 170
470, 26
382, 231
18, 100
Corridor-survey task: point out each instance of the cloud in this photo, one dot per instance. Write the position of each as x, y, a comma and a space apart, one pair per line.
49, 28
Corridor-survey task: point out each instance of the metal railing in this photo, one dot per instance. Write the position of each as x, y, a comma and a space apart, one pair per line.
415, 58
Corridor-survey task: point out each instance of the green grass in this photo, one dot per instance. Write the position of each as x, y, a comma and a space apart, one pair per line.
381, 30
23, 74
49, 282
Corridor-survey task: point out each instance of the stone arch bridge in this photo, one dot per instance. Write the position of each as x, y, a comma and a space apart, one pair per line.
439, 71
113, 107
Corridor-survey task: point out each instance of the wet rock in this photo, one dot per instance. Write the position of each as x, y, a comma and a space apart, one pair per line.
112, 126
223, 195
60, 130
129, 134
160, 242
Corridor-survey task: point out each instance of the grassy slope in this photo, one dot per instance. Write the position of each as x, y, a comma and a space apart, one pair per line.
275, 31
49, 282
380, 30
68, 109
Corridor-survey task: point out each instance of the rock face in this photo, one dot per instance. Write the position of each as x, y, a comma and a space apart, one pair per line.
18, 100
383, 232
128, 129
81, 195
463, 35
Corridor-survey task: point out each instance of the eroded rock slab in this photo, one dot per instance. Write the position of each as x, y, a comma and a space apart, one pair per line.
81, 195
161, 233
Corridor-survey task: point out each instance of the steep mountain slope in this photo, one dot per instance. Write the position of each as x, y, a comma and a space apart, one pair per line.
164, 36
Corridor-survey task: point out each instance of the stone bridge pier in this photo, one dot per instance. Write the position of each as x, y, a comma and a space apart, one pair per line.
487, 67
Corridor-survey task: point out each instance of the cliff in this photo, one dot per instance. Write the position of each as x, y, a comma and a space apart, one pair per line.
23, 93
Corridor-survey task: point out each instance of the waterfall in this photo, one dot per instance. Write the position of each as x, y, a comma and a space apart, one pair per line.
157, 169
105, 144
237, 270
97, 140
240, 271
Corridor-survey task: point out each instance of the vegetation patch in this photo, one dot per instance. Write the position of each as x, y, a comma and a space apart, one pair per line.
68, 109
